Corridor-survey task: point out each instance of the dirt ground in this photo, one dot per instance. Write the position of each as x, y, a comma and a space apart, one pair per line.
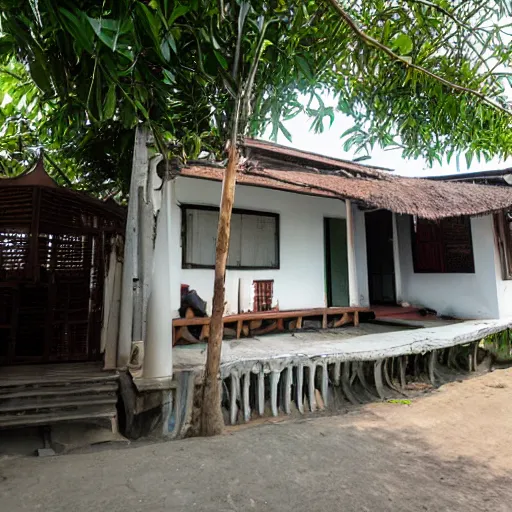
449, 450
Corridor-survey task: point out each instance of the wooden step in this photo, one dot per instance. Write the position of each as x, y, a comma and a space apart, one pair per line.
75, 389
55, 403
83, 414
57, 374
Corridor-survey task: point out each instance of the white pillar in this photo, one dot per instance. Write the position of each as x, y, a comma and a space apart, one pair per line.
396, 261
130, 280
111, 306
158, 341
353, 285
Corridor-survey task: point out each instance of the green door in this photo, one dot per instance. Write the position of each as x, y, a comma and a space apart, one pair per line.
336, 262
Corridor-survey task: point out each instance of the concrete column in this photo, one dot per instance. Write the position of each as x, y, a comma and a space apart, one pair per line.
396, 261
353, 285
130, 279
111, 306
158, 341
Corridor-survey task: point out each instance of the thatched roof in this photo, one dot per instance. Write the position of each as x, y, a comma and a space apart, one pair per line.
424, 198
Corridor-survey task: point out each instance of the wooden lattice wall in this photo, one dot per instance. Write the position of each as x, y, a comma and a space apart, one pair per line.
54, 246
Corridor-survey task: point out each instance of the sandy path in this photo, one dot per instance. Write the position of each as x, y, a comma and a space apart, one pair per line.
449, 450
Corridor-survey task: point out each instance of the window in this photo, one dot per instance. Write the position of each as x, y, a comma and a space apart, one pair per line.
443, 247
503, 231
254, 239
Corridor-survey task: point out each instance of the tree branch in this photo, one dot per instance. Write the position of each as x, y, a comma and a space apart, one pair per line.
60, 172
371, 41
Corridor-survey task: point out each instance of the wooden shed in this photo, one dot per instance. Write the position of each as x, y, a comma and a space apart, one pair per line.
54, 248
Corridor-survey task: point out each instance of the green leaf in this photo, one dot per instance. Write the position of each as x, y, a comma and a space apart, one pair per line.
165, 50
221, 59
79, 28
404, 43
349, 131
169, 77
386, 31
285, 132
178, 11
304, 67
142, 108
150, 22
101, 32
109, 107
171, 42
40, 76
469, 158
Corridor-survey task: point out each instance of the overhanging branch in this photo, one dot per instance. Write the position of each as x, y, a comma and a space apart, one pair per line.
371, 41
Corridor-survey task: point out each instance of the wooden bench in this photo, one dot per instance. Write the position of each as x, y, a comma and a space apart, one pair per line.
251, 324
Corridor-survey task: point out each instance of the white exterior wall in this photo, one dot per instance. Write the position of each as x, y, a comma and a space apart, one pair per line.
300, 280
460, 295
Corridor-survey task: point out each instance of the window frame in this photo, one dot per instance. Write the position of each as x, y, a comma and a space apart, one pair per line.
442, 243
187, 206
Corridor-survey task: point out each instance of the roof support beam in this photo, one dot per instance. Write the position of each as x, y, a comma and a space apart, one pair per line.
353, 285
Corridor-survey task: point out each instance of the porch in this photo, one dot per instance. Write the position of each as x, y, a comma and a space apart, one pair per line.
304, 372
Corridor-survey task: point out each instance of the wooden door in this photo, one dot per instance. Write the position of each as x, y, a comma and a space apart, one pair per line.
381, 265
336, 262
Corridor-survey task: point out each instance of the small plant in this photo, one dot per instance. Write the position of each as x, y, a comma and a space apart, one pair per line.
499, 344
399, 401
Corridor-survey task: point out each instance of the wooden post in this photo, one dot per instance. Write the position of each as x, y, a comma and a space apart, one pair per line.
130, 277
212, 421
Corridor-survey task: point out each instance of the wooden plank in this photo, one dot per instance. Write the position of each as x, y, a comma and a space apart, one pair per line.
87, 413
346, 318
239, 326
299, 322
264, 330
255, 324
11, 376
356, 318
324, 321
41, 391
271, 315
22, 405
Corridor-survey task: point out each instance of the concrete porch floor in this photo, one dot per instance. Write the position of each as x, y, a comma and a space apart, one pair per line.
369, 341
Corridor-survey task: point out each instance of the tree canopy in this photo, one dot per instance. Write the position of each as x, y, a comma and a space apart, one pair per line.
76, 77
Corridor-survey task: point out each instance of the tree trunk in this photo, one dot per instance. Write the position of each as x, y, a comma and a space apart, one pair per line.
212, 421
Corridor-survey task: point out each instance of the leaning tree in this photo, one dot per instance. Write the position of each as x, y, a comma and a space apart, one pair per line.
429, 76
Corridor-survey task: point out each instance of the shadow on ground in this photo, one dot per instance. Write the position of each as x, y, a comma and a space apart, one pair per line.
322, 464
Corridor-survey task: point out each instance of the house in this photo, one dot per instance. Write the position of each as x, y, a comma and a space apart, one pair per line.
309, 233
315, 242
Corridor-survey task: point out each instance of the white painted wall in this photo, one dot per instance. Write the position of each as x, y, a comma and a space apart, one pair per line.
460, 295
300, 280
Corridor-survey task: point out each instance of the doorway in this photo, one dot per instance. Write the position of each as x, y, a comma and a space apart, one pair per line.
381, 264
336, 264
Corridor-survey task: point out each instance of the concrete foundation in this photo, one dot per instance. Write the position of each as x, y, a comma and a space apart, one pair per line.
308, 372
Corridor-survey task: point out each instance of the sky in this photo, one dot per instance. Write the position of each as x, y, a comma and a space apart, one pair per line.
328, 143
